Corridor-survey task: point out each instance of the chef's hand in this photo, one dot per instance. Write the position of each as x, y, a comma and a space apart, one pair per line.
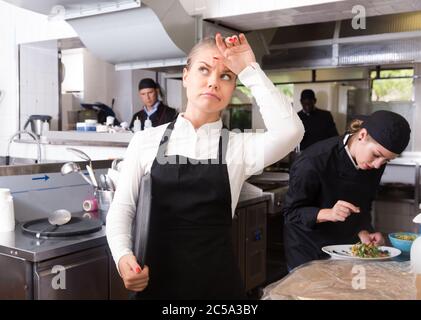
236, 52
135, 278
340, 211
368, 238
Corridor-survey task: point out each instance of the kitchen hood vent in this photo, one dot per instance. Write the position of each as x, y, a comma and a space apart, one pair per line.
386, 40
131, 34
64, 9
158, 35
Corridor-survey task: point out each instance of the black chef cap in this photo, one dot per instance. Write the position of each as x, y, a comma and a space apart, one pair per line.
147, 83
389, 129
308, 94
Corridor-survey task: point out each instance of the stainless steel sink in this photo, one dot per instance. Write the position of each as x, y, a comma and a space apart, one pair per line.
23, 161
17, 161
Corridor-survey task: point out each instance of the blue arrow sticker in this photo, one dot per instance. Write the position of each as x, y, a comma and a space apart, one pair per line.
45, 178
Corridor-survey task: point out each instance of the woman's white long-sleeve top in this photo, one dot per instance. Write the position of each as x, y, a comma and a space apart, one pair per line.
247, 153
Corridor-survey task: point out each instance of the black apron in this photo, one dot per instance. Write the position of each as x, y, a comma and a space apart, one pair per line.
190, 252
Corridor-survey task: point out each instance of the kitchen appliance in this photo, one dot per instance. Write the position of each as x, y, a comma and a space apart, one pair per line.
102, 111
276, 191
275, 184
41, 228
79, 248
36, 121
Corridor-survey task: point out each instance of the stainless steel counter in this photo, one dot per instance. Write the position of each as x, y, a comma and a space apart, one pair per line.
18, 244
75, 142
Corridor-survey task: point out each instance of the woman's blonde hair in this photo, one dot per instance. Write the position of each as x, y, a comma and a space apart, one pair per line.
355, 126
205, 42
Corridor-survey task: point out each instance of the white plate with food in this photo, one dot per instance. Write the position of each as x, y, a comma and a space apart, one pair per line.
361, 252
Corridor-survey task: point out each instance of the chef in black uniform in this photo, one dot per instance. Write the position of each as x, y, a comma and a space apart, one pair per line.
153, 109
318, 124
333, 183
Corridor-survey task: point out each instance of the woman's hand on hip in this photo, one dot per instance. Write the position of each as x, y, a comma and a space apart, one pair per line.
339, 212
135, 278
236, 52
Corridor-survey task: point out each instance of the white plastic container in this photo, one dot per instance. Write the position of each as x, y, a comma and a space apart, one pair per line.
7, 211
101, 128
137, 125
416, 259
148, 123
416, 250
110, 121
90, 125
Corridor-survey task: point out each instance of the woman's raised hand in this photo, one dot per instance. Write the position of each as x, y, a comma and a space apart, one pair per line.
236, 52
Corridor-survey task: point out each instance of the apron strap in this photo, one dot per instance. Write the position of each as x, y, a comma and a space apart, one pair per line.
164, 140
222, 146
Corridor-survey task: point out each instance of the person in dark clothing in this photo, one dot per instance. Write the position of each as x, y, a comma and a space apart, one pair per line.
333, 183
154, 110
318, 124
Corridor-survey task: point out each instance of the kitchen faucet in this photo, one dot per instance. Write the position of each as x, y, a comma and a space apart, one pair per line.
18, 133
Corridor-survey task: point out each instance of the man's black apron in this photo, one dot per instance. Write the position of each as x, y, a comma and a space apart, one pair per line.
190, 252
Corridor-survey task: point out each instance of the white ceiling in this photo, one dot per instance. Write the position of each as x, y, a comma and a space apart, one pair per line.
339, 10
49, 6
247, 15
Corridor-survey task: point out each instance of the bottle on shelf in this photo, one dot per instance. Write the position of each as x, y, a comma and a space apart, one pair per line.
148, 123
137, 125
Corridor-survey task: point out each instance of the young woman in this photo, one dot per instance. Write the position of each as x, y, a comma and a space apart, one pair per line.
333, 183
197, 177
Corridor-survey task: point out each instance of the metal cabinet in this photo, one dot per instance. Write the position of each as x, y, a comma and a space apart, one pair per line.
249, 239
87, 274
82, 275
15, 278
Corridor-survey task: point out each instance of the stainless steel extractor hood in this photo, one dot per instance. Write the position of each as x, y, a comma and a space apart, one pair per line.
129, 34
386, 39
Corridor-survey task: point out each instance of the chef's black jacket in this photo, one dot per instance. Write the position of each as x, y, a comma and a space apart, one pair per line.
320, 176
163, 115
318, 125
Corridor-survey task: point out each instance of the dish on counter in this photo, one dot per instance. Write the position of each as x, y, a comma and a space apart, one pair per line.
345, 251
403, 240
405, 236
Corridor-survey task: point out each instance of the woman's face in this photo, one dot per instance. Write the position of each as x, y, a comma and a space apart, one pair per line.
369, 154
209, 83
